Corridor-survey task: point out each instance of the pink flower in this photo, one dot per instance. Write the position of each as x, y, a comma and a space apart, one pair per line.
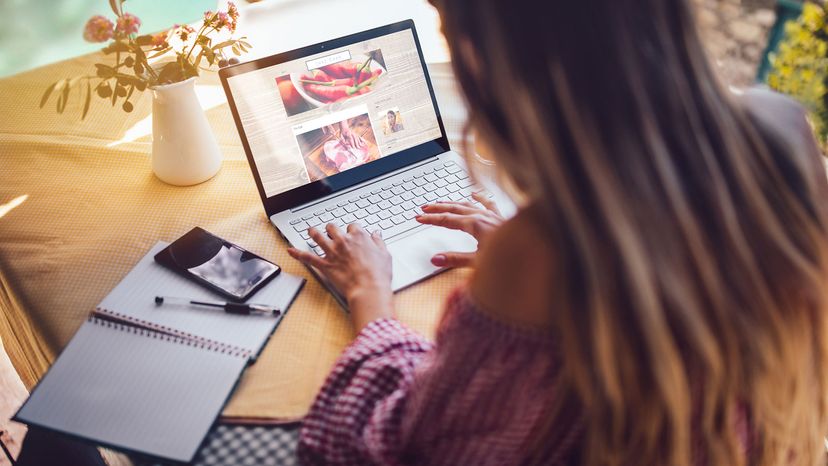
128, 24
233, 11
184, 31
98, 29
208, 17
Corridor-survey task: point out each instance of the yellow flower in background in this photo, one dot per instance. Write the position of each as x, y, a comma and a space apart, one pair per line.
799, 68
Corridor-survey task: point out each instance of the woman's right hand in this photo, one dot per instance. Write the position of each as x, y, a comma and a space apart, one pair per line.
463, 216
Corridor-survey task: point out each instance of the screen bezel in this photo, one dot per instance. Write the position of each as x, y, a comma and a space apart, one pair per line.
314, 190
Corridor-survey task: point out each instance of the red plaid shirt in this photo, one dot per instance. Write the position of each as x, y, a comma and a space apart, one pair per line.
474, 397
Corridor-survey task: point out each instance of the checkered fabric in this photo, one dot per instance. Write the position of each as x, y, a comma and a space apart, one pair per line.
245, 445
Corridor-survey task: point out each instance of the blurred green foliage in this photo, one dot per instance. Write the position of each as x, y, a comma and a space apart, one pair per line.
800, 67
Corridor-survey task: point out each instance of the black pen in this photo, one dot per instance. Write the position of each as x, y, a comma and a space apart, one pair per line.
230, 308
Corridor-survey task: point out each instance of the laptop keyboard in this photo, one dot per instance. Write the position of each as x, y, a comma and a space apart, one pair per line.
390, 207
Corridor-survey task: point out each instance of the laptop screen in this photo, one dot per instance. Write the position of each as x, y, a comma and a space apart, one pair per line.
326, 113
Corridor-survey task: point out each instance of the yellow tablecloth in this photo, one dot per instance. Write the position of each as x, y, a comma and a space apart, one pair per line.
82, 206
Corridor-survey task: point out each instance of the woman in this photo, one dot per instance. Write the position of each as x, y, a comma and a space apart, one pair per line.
659, 298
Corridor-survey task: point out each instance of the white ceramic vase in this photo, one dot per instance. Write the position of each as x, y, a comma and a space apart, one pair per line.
184, 148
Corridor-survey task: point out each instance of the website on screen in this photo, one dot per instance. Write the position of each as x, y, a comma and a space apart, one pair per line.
323, 114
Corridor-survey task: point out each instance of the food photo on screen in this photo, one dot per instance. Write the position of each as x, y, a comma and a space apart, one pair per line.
331, 83
339, 146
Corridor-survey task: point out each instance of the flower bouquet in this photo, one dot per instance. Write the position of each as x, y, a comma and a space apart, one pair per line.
132, 54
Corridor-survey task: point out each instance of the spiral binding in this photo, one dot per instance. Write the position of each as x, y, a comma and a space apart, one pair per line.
144, 328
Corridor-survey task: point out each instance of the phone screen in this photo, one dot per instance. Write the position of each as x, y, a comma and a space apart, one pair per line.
217, 263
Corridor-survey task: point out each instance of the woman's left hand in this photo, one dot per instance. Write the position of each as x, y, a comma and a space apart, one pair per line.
358, 265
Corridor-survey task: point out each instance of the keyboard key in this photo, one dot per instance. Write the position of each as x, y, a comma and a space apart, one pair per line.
294, 222
384, 214
396, 210
386, 224
307, 217
301, 226
313, 221
384, 205
319, 251
361, 223
431, 177
376, 191
361, 213
452, 178
372, 219
326, 217
398, 190
409, 186
363, 203
331, 208
372, 209
339, 212
398, 219
453, 187
442, 192
408, 205
441, 173
441, 183
374, 199
398, 183
420, 181
465, 183
430, 187
350, 218
462, 175
365, 196
407, 196
449, 163
338, 222
430, 197
408, 179
456, 196
418, 191
304, 234
410, 214
387, 194
397, 200
342, 204
453, 169
312, 243
420, 200
351, 208
319, 212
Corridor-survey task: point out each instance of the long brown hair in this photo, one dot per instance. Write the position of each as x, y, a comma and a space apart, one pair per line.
691, 241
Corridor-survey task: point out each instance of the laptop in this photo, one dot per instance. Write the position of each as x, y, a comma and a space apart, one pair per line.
349, 131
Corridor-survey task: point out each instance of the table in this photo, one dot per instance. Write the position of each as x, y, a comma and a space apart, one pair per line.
79, 206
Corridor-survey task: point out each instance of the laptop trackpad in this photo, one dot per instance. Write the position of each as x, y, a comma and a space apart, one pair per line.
412, 254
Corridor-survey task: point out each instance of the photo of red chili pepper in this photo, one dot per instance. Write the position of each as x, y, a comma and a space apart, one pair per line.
331, 83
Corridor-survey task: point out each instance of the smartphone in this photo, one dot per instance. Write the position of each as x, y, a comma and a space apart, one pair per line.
217, 264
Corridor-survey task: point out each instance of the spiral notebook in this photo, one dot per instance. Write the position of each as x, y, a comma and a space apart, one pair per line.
152, 380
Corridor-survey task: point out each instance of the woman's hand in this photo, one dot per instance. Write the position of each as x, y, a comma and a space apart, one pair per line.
358, 265
463, 216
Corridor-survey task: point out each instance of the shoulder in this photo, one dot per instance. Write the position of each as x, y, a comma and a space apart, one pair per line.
513, 280
781, 118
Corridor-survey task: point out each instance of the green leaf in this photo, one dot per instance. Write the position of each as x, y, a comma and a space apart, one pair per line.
88, 99
160, 52
221, 45
236, 51
114, 5
48, 93
208, 52
146, 39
